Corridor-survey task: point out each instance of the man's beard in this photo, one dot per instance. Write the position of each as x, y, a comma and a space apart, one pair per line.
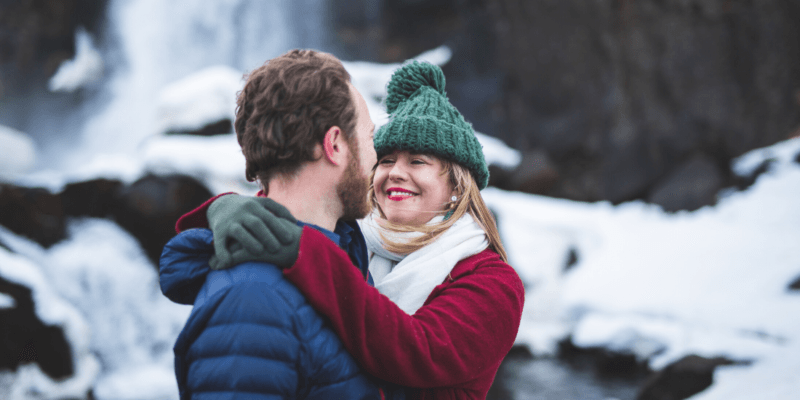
352, 192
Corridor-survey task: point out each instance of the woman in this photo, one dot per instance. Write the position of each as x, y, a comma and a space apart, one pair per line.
446, 306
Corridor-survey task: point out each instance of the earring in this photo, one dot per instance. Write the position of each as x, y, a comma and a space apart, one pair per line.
454, 198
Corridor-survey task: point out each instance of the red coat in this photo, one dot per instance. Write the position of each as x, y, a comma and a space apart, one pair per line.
451, 348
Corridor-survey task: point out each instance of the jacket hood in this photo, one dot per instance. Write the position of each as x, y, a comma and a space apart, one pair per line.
184, 265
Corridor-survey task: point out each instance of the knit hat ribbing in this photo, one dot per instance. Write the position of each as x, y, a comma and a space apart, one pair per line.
422, 120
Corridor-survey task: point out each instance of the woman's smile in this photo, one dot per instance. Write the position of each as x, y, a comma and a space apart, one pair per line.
399, 194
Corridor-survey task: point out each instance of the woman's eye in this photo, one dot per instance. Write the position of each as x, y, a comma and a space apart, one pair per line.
417, 161
386, 161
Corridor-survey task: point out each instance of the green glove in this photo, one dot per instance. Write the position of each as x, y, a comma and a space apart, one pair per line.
252, 229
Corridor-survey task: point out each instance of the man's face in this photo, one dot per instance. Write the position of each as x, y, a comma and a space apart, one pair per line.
365, 130
354, 185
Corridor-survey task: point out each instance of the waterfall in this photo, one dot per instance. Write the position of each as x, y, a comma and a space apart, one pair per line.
150, 43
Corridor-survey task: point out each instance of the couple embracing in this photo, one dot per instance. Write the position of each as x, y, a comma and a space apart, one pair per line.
367, 267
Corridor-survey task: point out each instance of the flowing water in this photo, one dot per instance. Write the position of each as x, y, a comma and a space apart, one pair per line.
523, 377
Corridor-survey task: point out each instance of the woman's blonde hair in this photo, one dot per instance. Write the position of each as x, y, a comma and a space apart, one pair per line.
469, 200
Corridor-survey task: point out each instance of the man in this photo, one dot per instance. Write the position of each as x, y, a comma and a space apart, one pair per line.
306, 136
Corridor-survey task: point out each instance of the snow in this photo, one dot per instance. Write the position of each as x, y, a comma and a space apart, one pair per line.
84, 69
18, 153
661, 286
204, 97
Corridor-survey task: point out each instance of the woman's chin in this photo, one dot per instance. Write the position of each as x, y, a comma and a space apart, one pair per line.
401, 218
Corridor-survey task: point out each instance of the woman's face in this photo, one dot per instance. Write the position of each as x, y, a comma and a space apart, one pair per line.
410, 188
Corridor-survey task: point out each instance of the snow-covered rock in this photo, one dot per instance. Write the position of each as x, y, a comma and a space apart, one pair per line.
85, 68
53, 310
199, 99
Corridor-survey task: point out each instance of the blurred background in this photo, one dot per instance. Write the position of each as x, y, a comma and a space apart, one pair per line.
626, 138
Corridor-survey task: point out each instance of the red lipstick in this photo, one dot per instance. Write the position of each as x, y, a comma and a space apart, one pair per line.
399, 194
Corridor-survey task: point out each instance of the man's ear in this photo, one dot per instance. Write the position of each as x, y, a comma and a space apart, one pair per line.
332, 145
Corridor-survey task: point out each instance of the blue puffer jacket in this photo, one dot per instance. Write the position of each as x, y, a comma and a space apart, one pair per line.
251, 334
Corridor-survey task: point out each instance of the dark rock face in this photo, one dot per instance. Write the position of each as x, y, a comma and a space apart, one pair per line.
689, 186
682, 379
43, 31
618, 94
149, 208
94, 198
633, 88
221, 127
604, 362
32, 212
26, 339
535, 173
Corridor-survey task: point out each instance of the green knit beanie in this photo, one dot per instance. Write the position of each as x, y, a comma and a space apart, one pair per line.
422, 120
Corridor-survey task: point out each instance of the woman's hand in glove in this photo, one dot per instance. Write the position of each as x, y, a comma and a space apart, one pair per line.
252, 229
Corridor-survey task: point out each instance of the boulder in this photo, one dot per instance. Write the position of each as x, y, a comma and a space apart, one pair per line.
795, 285
32, 212
221, 127
535, 173
499, 176
744, 182
27, 339
605, 362
93, 198
507, 377
691, 185
682, 379
149, 208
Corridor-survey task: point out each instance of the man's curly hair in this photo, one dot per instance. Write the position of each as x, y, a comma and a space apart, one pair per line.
285, 109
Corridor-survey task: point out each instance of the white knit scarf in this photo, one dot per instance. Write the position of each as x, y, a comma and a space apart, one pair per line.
408, 280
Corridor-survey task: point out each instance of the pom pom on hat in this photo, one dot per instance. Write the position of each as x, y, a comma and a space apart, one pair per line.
408, 79
422, 120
